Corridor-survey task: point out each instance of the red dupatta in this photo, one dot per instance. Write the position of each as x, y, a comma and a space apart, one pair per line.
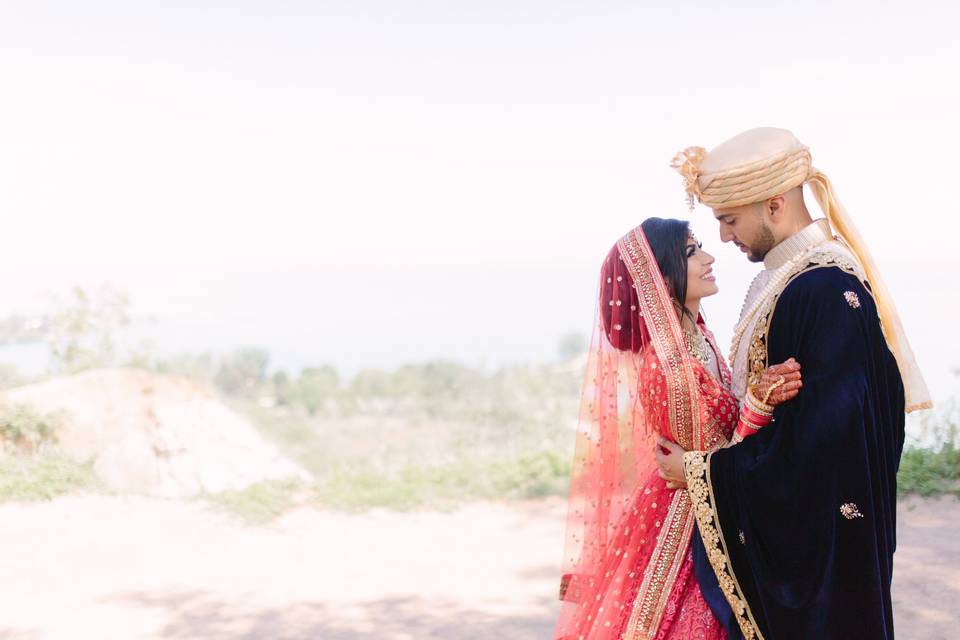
639, 383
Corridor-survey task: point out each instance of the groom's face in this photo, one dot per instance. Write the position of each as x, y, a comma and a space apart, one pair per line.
747, 228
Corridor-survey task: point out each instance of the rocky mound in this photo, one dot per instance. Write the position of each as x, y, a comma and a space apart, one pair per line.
153, 434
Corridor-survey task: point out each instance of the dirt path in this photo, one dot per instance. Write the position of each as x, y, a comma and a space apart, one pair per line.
128, 568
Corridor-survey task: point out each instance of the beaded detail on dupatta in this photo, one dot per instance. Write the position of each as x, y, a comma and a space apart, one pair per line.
628, 536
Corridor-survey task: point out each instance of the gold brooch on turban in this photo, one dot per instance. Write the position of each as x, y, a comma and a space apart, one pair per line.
687, 164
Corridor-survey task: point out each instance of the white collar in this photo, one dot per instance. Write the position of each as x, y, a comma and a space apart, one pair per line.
811, 235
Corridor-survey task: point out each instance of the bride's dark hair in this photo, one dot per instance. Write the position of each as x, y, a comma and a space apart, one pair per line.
618, 297
668, 241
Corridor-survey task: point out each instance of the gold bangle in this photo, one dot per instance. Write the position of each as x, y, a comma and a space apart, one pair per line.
756, 406
780, 380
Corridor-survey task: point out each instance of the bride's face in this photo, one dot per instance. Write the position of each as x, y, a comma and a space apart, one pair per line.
700, 279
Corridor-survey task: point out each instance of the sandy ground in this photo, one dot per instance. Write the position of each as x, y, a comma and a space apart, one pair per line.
127, 568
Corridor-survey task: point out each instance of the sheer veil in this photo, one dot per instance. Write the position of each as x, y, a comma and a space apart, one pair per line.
638, 383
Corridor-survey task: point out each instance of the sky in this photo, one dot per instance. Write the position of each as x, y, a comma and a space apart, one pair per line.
373, 183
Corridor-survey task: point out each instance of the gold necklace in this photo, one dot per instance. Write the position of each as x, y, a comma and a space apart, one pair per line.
697, 345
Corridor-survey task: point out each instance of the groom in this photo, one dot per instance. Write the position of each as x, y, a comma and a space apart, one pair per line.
797, 523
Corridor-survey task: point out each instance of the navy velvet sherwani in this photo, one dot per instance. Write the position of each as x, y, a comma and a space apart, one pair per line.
798, 522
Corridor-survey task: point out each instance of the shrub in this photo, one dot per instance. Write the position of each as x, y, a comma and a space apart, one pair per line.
25, 429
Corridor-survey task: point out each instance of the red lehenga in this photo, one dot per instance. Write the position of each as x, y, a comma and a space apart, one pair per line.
628, 571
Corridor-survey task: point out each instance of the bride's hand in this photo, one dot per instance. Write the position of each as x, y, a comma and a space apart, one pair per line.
669, 456
789, 371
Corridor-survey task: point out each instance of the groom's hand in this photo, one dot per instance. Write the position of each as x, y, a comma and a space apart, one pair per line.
669, 457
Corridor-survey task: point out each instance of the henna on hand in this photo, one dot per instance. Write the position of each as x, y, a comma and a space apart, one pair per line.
779, 383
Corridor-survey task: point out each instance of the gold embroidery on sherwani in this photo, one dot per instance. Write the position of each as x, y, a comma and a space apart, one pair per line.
824, 257
697, 463
850, 511
696, 466
852, 299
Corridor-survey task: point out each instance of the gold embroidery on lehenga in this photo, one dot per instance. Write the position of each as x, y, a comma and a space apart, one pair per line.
662, 569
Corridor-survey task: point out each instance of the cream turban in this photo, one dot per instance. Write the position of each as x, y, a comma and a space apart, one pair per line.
751, 167
762, 163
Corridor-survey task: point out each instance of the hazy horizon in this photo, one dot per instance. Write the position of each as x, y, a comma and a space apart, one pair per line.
488, 316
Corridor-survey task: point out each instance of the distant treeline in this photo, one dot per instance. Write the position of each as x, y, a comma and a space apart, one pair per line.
435, 390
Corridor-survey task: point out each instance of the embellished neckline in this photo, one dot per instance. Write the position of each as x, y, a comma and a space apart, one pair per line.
725, 377
697, 345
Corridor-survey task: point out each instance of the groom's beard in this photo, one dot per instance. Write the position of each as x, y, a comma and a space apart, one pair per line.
757, 250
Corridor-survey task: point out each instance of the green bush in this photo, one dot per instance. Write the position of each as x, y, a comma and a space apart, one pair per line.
80, 330
930, 471
242, 372
42, 477
22, 428
931, 459
529, 476
315, 386
259, 503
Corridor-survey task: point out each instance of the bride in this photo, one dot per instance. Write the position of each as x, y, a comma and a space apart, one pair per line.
654, 369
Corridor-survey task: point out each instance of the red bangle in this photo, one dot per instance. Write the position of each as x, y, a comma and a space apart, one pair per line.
750, 421
753, 418
745, 430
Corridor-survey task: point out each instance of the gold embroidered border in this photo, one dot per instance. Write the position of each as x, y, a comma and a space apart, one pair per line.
696, 465
757, 351
666, 335
684, 420
661, 571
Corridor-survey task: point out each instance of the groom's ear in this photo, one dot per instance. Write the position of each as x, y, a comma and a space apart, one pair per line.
775, 207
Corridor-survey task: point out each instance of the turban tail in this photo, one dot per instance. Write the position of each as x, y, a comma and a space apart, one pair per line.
917, 395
